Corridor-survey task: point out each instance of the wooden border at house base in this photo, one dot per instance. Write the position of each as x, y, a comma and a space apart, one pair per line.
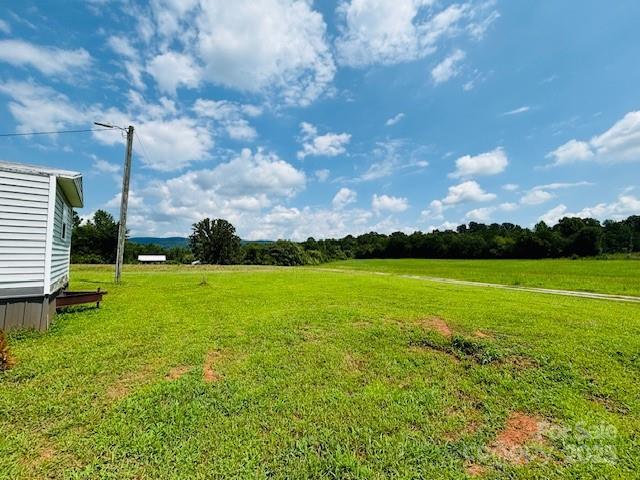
27, 313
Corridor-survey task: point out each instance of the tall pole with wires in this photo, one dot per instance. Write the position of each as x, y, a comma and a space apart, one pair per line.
124, 202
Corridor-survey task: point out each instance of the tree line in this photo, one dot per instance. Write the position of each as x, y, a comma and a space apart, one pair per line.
215, 241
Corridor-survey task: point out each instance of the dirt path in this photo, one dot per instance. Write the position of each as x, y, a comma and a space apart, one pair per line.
451, 281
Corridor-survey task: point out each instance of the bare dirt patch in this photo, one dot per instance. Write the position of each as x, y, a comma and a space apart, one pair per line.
474, 470
520, 431
352, 363
480, 334
209, 373
177, 372
129, 381
437, 324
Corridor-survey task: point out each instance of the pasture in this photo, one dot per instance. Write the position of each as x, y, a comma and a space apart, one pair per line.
617, 276
245, 372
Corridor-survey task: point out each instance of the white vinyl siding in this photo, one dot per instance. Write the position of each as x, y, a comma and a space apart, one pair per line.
24, 200
61, 246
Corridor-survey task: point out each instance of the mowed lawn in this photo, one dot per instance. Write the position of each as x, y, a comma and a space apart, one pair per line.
297, 373
619, 276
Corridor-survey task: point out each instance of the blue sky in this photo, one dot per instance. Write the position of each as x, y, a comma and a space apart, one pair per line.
298, 118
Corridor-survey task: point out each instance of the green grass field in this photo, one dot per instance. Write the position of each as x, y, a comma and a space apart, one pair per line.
298, 373
621, 276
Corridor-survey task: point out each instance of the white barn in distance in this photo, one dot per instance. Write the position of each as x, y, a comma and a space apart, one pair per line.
36, 220
152, 258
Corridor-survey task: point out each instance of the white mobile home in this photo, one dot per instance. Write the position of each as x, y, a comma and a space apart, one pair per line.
36, 219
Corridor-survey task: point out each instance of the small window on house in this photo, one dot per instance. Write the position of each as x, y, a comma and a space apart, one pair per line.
65, 220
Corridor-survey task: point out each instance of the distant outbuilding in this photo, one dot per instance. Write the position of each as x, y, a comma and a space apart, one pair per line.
36, 220
152, 258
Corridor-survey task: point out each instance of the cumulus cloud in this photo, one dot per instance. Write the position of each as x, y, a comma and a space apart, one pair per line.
387, 203
231, 116
102, 166
343, 198
536, 197
48, 60
387, 32
448, 68
552, 216
327, 145
469, 191
395, 119
620, 143
273, 47
488, 163
484, 214
510, 187
172, 70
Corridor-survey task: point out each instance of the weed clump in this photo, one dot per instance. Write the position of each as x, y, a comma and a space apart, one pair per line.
6, 361
204, 282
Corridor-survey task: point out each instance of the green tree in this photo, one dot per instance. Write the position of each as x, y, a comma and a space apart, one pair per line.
215, 241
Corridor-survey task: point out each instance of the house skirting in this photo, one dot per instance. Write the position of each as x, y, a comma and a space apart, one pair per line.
27, 313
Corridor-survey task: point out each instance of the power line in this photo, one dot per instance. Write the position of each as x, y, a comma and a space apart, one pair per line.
52, 133
144, 150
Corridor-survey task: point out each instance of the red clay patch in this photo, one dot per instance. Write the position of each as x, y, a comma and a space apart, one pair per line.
437, 324
209, 374
520, 430
176, 372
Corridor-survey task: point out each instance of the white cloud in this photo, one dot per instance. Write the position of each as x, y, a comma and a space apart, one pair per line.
434, 212
343, 198
322, 175
131, 63
536, 197
468, 191
517, 111
510, 187
624, 206
5, 27
103, 166
484, 214
488, 163
328, 145
48, 60
540, 194
448, 68
571, 152
621, 143
395, 119
386, 203
172, 70
274, 47
231, 116
37, 108
390, 156
553, 215
393, 31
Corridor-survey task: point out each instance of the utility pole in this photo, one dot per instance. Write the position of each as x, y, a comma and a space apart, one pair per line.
124, 202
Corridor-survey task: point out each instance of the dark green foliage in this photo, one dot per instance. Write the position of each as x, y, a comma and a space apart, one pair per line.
95, 240
215, 242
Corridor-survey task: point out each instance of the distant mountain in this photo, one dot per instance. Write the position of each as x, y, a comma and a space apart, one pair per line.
165, 242
170, 242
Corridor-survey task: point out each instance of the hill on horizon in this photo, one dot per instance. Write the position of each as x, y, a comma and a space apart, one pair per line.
171, 242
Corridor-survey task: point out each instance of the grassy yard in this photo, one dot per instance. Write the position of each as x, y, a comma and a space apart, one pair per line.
621, 276
297, 373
